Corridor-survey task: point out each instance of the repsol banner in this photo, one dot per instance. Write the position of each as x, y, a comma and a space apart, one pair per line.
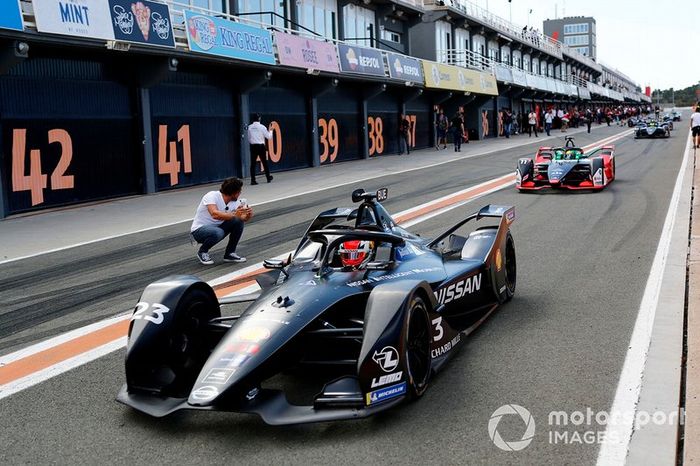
360, 60
66, 142
285, 112
195, 134
405, 68
339, 126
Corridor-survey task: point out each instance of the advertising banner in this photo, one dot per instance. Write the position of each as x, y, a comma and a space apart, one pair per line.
440, 76
11, 15
81, 18
584, 93
361, 60
404, 68
520, 78
504, 74
301, 52
142, 21
216, 36
550, 85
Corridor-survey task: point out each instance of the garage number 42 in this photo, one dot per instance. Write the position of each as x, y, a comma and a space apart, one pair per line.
151, 312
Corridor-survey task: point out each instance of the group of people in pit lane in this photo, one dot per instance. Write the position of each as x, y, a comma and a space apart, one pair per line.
562, 118
224, 212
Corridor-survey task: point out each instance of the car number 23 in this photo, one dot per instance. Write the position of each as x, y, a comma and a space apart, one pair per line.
151, 312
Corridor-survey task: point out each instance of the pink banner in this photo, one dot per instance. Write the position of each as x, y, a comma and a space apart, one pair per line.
306, 53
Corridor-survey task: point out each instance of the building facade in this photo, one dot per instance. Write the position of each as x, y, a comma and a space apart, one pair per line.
577, 32
150, 96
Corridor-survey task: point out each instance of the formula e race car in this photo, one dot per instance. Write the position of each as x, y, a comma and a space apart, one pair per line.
566, 167
652, 129
381, 307
667, 120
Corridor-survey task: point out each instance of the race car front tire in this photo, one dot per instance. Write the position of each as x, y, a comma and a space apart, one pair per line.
417, 338
510, 266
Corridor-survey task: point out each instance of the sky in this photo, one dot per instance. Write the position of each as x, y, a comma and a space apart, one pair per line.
650, 41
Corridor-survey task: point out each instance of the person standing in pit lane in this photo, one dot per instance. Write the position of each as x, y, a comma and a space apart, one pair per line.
457, 131
442, 126
589, 119
257, 135
404, 131
548, 118
532, 123
695, 127
218, 214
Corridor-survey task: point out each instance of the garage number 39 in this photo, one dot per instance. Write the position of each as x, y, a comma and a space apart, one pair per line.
151, 312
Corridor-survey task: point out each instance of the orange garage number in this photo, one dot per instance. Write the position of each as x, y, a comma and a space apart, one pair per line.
274, 145
35, 182
375, 132
168, 164
329, 138
412, 119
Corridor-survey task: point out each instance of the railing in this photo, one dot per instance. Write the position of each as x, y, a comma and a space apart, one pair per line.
578, 56
372, 41
530, 36
474, 60
415, 3
536, 39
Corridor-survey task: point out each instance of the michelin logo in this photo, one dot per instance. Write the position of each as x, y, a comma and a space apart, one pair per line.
387, 393
457, 290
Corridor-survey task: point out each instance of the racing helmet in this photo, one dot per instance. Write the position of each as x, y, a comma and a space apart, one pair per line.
354, 253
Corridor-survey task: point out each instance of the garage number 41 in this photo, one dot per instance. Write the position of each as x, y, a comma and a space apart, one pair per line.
150, 312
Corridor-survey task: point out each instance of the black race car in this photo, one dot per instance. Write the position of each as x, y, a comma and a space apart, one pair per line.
652, 129
382, 307
667, 120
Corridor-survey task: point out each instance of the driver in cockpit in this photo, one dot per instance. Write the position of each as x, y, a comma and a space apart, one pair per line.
355, 254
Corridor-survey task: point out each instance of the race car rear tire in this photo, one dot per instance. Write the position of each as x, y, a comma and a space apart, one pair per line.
189, 346
510, 267
417, 339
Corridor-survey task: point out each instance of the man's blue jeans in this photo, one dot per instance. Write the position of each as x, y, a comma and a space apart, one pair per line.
209, 235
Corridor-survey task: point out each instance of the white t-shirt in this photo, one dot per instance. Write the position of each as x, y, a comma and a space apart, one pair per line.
203, 217
695, 119
532, 118
547, 117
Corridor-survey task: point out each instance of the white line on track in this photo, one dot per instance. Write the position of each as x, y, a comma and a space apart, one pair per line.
64, 366
291, 196
61, 367
613, 451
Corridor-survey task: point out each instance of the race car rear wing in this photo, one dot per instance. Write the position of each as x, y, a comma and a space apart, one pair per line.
605, 150
506, 213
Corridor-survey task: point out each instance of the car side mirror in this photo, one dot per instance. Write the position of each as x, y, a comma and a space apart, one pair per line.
274, 263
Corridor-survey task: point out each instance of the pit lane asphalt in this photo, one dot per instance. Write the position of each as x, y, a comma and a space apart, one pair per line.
583, 261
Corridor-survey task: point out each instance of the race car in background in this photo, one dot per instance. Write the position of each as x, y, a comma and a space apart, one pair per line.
652, 129
382, 308
676, 115
566, 167
667, 121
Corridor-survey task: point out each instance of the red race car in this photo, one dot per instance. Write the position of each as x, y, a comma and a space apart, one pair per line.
567, 167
